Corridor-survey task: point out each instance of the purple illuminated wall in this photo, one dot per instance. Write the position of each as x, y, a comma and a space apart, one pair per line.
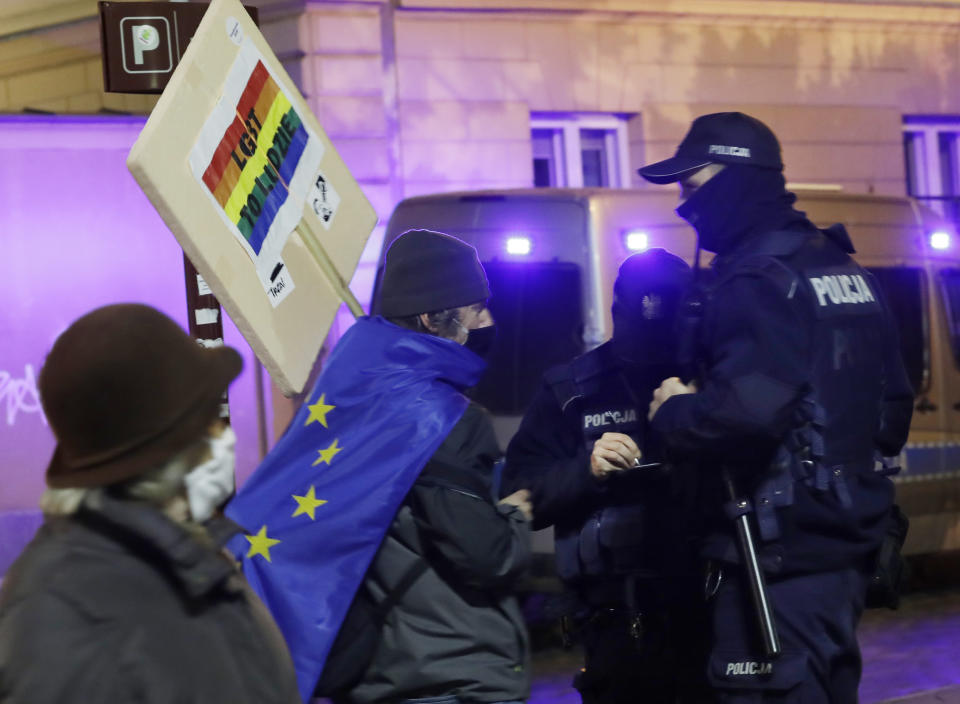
77, 233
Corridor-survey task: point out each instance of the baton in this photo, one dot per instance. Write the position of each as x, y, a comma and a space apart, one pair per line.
758, 586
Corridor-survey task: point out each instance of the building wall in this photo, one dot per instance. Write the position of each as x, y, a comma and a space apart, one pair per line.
50, 57
422, 96
833, 90
459, 79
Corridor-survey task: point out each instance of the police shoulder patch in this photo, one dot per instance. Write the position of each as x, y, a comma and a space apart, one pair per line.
843, 290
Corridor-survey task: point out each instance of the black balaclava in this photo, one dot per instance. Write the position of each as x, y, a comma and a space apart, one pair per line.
647, 294
738, 202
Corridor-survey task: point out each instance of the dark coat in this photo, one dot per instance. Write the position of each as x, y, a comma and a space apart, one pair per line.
458, 629
635, 523
118, 604
770, 344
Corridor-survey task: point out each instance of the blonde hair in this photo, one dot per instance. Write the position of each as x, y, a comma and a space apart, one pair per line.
63, 502
161, 487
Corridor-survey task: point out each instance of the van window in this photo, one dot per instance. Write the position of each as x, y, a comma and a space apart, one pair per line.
950, 290
904, 291
539, 317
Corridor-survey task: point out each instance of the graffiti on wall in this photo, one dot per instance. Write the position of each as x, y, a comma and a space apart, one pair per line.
19, 395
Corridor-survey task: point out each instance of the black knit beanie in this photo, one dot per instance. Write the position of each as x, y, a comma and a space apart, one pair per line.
426, 271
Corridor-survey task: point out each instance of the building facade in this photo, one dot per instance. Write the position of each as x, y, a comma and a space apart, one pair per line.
422, 96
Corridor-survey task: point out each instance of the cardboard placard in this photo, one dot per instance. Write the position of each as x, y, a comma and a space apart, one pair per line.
255, 193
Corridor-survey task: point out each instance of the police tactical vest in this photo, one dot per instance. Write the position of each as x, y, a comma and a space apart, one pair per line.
820, 497
616, 537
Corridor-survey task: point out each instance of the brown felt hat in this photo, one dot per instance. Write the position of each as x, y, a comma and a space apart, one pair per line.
125, 389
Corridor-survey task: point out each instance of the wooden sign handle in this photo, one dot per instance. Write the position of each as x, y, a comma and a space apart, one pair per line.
326, 265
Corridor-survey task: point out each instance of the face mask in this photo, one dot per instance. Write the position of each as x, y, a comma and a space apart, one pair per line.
480, 340
713, 211
647, 336
211, 483
645, 343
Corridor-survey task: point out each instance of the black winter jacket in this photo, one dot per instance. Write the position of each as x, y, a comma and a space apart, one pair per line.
636, 523
770, 341
118, 604
458, 629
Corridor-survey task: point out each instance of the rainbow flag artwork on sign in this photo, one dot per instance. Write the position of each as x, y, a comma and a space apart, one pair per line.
257, 160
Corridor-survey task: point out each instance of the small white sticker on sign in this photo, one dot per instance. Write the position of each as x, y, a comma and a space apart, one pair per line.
202, 288
324, 199
234, 30
279, 285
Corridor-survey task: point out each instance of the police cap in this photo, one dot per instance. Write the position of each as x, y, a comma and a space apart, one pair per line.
721, 137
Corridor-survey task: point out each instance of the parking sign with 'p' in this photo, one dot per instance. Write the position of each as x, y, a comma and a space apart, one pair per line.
144, 41
146, 44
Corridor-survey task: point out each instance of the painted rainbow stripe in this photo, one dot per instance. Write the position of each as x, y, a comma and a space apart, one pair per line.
256, 157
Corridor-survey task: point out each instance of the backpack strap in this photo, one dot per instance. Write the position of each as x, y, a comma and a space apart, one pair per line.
413, 573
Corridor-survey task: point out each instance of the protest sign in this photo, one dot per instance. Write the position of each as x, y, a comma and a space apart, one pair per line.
254, 192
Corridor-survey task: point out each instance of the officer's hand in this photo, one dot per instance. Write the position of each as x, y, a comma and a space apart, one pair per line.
613, 452
669, 387
520, 499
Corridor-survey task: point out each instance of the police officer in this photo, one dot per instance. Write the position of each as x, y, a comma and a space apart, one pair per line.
800, 382
585, 452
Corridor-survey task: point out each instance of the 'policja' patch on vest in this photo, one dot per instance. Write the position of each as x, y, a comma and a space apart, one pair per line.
842, 288
845, 290
749, 667
605, 418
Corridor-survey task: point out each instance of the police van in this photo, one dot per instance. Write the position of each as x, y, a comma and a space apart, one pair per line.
552, 255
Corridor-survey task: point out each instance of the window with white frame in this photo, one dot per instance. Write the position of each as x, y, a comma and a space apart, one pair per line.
931, 147
579, 150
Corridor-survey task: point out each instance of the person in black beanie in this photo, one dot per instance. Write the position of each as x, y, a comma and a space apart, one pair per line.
450, 559
434, 283
797, 383
586, 452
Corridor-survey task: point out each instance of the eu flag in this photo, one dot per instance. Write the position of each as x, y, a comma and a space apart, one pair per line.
319, 505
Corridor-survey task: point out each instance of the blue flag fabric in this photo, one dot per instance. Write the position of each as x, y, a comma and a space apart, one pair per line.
318, 507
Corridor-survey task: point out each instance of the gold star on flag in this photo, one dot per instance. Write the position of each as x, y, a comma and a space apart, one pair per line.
260, 544
327, 454
307, 504
319, 411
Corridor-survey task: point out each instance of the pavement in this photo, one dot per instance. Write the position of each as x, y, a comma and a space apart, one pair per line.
913, 650
910, 656
948, 695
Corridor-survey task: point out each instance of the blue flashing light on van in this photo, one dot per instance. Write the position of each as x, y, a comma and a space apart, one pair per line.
518, 245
